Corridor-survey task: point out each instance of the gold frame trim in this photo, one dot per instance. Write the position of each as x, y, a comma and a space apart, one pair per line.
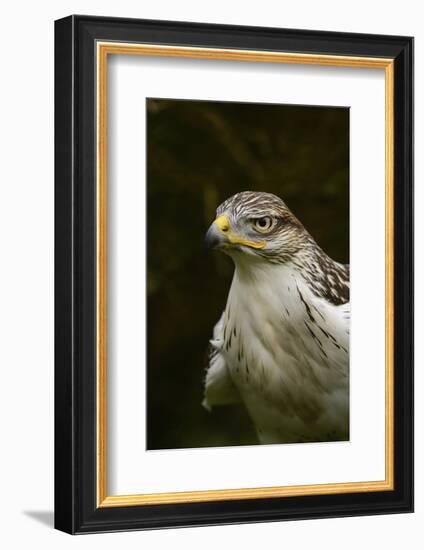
104, 49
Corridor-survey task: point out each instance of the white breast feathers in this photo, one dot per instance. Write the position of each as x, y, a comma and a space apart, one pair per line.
285, 353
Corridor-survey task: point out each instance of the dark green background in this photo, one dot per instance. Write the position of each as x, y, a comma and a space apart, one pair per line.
200, 153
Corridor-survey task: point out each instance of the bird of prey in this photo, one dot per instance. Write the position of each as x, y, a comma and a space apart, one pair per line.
281, 346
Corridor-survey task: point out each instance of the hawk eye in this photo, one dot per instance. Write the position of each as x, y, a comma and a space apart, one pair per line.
263, 224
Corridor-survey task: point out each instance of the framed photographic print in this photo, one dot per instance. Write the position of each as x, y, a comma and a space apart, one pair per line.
233, 274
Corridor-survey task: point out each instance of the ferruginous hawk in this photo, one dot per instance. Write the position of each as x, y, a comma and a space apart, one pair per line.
281, 346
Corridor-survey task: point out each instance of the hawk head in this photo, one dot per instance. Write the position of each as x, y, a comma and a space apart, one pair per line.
257, 224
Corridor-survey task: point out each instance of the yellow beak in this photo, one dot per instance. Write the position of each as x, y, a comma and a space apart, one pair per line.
220, 234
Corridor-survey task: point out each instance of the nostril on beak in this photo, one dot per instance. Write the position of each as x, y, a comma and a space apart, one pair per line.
222, 223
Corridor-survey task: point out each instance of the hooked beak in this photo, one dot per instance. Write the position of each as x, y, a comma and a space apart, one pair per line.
217, 234
220, 235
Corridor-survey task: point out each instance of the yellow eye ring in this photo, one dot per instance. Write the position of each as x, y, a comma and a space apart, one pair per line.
263, 225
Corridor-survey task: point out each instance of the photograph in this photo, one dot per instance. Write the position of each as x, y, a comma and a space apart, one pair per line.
233, 272
248, 311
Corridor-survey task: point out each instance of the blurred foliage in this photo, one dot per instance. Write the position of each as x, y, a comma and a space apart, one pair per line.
198, 154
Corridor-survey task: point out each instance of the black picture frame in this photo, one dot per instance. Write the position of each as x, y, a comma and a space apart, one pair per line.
76, 509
